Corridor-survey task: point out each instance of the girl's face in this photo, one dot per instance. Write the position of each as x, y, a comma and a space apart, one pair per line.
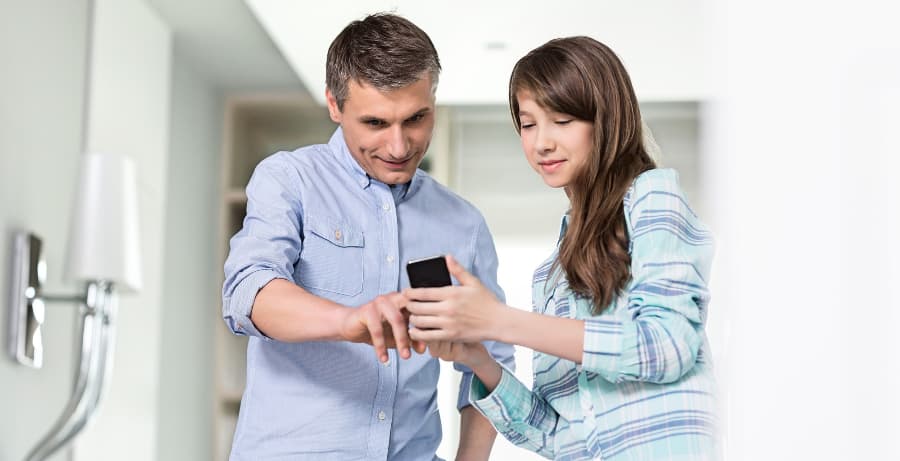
556, 145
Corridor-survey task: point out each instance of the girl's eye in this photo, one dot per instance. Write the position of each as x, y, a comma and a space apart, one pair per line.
563, 122
527, 125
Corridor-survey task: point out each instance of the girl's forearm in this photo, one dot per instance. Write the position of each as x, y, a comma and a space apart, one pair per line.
555, 336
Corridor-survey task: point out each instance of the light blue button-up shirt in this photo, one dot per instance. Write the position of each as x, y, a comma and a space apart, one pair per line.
315, 218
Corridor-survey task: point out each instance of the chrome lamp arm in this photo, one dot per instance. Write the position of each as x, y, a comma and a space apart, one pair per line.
94, 357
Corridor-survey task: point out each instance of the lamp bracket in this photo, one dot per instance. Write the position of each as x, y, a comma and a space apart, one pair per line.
27, 300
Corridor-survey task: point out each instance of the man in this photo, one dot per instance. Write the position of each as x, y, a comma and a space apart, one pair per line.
313, 276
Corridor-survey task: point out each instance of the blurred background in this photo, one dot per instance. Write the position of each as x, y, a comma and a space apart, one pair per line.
779, 116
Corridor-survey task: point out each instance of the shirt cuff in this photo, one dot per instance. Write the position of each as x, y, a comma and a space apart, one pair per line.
240, 304
507, 403
605, 343
464, 385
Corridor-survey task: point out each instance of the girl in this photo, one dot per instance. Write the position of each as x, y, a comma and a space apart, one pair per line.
621, 368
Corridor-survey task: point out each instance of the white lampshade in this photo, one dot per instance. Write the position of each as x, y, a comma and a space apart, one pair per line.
103, 241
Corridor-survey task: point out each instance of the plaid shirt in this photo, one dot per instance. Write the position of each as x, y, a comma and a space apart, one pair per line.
644, 388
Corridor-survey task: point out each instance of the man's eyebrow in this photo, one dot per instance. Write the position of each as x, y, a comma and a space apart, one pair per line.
421, 111
369, 118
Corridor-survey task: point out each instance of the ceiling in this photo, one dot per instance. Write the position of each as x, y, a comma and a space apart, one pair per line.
478, 41
225, 43
281, 44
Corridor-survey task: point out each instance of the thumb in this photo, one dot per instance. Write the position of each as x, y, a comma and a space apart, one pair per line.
460, 273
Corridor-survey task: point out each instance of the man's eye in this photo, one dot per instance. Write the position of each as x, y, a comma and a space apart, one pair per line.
374, 123
415, 118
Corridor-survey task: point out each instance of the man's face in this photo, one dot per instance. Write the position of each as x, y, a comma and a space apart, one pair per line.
387, 132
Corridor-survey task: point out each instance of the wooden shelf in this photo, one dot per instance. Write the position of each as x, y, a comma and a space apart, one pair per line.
236, 196
256, 125
231, 397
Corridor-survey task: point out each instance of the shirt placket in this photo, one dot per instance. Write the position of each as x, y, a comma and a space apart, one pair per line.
383, 408
586, 398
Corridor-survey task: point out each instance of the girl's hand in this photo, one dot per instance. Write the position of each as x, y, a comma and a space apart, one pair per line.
465, 313
471, 355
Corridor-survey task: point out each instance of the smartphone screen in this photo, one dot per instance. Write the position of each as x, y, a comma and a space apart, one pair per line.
428, 272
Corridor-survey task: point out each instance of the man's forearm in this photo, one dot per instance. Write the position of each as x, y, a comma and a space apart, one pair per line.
286, 312
476, 436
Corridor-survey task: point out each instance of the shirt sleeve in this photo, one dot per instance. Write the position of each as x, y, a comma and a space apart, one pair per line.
520, 415
484, 266
671, 253
266, 247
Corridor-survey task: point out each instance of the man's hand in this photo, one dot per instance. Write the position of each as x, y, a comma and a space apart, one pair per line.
381, 323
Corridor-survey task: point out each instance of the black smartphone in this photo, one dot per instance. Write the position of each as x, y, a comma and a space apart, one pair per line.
428, 272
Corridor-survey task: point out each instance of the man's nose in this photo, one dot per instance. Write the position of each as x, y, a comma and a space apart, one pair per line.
397, 144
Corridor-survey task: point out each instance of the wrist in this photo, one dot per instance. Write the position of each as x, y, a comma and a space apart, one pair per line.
478, 359
504, 325
340, 317
489, 373
496, 320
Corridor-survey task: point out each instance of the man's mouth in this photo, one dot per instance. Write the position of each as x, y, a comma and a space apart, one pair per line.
395, 163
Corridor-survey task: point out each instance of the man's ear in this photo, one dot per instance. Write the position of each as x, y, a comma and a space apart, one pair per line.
333, 111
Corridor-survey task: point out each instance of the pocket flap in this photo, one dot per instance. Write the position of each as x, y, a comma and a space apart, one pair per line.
335, 231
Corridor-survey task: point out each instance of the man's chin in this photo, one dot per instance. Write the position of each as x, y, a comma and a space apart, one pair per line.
396, 177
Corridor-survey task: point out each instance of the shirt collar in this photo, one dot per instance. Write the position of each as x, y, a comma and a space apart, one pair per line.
342, 153
562, 228
399, 192
339, 148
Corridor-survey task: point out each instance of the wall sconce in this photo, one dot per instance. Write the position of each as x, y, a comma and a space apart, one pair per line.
103, 254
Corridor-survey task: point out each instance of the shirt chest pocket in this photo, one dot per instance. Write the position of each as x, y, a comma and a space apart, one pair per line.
332, 257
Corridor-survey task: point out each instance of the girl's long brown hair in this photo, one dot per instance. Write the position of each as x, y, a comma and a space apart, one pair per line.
583, 78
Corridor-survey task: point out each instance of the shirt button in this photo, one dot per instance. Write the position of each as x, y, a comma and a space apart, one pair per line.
381, 415
387, 363
385, 206
337, 234
390, 258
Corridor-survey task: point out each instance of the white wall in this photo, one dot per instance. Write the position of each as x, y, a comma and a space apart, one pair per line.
44, 49
190, 300
804, 163
43, 46
128, 115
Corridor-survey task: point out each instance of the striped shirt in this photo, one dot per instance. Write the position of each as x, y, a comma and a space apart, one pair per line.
644, 389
